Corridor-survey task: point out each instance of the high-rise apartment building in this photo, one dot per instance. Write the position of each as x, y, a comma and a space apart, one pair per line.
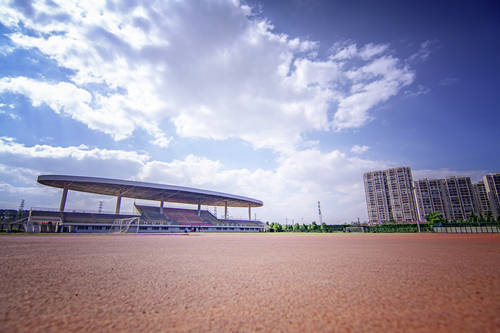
492, 185
453, 197
376, 196
483, 202
460, 198
389, 195
430, 196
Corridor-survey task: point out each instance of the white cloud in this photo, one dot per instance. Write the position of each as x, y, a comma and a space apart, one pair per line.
475, 175
106, 114
9, 146
418, 91
228, 75
214, 70
425, 50
357, 149
291, 190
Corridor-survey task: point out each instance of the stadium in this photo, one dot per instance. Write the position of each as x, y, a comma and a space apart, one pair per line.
144, 219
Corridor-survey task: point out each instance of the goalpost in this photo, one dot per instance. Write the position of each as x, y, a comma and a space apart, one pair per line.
354, 229
123, 225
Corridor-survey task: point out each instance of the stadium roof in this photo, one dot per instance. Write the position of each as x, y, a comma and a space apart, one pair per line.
147, 191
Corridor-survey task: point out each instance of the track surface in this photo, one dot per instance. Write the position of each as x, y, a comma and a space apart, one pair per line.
250, 282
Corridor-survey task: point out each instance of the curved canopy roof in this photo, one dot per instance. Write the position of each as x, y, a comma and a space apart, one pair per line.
147, 191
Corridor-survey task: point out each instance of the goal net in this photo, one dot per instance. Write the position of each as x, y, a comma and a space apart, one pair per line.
123, 225
354, 229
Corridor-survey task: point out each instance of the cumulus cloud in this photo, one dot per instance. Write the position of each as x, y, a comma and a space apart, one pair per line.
10, 146
357, 149
288, 191
227, 75
208, 69
98, 112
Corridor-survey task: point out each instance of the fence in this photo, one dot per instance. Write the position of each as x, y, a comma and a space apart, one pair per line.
467, 229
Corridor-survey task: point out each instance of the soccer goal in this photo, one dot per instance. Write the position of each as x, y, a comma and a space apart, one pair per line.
354, 229
123, 225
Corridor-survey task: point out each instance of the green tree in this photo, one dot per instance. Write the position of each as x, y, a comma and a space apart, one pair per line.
323, 227
296, 227
435, 217
489, 217
471, 218
313, 226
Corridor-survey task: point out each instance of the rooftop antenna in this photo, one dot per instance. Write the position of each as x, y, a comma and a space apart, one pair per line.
319, 213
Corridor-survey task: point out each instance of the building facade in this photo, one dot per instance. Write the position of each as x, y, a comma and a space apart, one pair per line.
389, 196
492, 186
392, 196
461, 198
482, 199
454, 197
430, 196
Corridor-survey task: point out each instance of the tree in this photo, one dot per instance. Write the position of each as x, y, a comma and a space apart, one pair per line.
489, 217
471, 218
323, 227
435, 217
296, 227
313, 226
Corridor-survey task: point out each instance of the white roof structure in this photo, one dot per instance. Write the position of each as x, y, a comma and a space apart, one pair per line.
145, 191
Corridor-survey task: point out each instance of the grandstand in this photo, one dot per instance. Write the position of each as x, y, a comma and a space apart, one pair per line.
150, 219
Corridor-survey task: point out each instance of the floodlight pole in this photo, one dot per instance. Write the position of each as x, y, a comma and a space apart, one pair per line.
118, 203
63, 199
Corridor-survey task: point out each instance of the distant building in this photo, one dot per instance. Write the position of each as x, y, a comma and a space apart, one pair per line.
430, 196
389, 196
483, 202
492, 185
454, 197
460, 197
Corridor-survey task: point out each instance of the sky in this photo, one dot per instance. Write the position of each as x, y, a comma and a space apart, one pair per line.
289, 102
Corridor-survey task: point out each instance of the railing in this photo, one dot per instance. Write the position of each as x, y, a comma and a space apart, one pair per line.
43, 209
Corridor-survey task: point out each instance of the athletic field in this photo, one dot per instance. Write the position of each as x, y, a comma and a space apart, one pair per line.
250, 282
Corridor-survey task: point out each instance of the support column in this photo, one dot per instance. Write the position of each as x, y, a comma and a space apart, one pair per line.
199, 207
63, 199
225, 210
161, 207
118, 203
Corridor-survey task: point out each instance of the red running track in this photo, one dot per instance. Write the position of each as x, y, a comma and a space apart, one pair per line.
250, 282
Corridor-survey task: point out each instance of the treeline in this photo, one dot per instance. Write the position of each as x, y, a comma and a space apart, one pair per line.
433, 219
313, 227
437, 219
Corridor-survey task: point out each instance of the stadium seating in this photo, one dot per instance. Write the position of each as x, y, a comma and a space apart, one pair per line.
208, 217
185, 217
151, 214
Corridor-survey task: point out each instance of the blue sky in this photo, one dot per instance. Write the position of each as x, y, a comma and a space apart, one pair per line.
285, 101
